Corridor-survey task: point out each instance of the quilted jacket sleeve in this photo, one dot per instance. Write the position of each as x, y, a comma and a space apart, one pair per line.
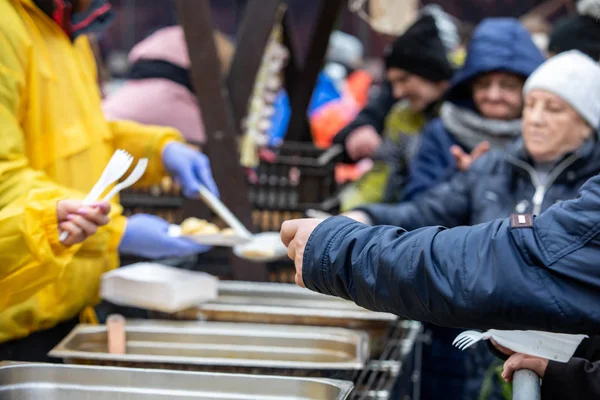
487, 276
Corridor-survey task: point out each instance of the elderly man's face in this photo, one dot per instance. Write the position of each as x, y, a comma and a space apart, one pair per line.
419, 92
551, 127
497, 95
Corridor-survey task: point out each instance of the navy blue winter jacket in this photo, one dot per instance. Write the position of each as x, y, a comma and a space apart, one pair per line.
490, 275
498, 44
496, 185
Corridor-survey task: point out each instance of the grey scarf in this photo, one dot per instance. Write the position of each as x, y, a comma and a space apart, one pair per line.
470, 128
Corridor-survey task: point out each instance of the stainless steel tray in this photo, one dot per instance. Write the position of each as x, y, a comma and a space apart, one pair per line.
221, 347
67, 382
285, 304
288, 295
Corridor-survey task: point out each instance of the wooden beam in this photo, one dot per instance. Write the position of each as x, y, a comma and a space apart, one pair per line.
221, 131
293, 67
303, 85
252, 37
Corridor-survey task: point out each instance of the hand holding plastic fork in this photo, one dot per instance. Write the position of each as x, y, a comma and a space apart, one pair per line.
117, 167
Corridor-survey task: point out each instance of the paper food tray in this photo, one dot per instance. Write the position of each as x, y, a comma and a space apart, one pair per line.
553, 346
216, 239
158, 287
264, 247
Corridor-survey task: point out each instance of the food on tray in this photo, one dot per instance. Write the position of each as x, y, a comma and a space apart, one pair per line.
266, 246
195, 226
258, 253
166, 184
228, 232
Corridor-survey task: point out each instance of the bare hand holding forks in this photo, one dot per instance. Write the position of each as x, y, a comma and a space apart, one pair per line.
117, 167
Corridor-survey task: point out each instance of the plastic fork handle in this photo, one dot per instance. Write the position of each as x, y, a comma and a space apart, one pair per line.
64, 235
131, 180
114, 191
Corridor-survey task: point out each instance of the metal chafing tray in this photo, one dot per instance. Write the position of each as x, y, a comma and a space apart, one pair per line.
285, 304
222, 347
67, 382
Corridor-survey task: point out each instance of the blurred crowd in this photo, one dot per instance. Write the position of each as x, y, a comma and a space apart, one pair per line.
449, 127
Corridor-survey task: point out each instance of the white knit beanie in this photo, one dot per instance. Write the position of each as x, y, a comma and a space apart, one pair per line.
589, 7
575, 78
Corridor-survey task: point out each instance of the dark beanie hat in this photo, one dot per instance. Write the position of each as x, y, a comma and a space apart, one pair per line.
577, 32
421, 51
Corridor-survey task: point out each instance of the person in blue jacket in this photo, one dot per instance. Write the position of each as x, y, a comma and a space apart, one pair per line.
482, 109
519, 272
483, 104
559, 152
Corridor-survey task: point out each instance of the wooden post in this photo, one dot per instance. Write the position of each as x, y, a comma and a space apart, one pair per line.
221, 130
293, 67
301, 88
253, 35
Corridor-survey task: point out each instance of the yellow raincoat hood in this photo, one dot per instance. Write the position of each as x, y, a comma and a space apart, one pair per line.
55, 144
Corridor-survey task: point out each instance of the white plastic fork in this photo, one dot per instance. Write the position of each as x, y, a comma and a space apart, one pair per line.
553, 346
114, 170
117, 167
469, 338
135, 176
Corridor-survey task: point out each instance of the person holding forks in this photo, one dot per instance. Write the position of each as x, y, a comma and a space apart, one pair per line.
56, 143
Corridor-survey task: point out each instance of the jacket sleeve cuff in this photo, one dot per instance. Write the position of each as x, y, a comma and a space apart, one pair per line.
163, 142
51, 229
340, 139
555, 370
376, 213
315, 261
554, 378
370, 212
342, 136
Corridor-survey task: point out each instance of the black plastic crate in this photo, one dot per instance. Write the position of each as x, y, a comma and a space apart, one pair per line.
301, 177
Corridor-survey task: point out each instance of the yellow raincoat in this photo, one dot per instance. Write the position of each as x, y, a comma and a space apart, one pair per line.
54, 144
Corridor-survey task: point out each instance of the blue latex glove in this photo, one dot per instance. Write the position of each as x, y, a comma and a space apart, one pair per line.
190, 169
147, 236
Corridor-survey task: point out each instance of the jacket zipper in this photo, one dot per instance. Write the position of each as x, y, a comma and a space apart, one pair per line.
541, 190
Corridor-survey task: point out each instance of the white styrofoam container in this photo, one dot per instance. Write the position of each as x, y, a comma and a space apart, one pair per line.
158, 287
